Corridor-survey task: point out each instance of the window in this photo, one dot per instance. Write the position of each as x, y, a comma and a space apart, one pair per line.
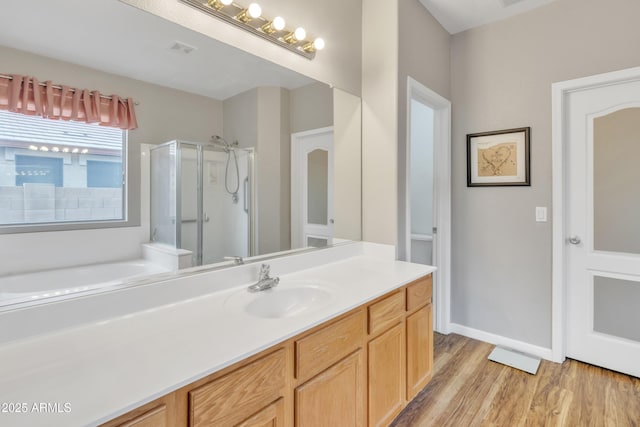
56, 171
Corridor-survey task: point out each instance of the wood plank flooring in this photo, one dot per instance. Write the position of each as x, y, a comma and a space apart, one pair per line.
469, 390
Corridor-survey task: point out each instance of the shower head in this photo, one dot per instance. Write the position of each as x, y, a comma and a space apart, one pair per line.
218, 140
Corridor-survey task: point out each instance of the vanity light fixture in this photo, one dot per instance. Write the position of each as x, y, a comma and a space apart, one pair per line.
219, 4
317, 44
252, 12
250, 19
271, 27
296, 36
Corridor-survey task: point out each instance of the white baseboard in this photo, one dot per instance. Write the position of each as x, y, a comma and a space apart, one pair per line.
543, 352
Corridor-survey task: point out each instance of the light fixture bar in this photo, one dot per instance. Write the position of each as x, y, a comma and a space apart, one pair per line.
257, 26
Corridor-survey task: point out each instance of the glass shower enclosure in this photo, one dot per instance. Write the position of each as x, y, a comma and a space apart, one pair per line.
201, 199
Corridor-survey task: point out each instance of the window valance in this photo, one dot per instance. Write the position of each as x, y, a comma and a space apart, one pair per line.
26, 95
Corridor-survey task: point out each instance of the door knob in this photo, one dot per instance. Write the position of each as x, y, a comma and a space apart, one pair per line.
574, 240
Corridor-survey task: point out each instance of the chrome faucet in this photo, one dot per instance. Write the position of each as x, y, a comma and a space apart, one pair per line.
264, 280
237, 260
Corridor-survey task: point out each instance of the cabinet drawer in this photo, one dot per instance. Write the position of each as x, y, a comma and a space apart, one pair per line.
419, 293
386, 313
321, 349
156, 417
227, 400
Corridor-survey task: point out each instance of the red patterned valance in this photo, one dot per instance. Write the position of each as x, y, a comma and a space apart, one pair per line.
23, 94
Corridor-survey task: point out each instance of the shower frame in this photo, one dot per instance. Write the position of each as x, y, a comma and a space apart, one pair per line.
250, 196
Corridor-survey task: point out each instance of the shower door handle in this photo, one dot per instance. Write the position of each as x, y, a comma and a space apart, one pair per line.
246, 195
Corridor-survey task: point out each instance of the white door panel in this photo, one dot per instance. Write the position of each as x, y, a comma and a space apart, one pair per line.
312, 222
603, 211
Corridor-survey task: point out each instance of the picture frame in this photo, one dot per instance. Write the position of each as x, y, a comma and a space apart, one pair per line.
499, 158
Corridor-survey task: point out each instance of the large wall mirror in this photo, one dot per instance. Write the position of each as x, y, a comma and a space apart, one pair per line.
234, 156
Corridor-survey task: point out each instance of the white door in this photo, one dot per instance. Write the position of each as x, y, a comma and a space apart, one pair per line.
424, 234
603, 225
312, 188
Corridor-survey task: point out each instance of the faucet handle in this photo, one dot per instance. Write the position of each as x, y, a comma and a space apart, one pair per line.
236, 259
264, 271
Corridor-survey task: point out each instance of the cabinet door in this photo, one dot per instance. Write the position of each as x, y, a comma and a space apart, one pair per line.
333, 398
271, 416
419, 350
386, 376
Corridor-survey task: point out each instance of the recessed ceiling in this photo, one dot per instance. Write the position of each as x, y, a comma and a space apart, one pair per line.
459, 15
117, 38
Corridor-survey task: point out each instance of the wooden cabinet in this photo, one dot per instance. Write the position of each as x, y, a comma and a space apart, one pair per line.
335, 397
319, 350
231, 399
419, 335
419, 293
358, 369
159, 413
156, 417
386, 376
271, 416
386, 312
419, 350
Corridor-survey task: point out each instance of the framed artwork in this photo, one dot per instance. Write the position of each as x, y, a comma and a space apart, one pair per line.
498, 158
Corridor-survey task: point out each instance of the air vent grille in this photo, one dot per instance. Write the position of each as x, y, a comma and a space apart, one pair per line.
507, 3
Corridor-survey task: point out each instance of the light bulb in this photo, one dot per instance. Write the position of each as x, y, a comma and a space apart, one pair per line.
278, 23
318, 44
44, 148
254, 10
75, 150
85, 151
300, 33
219, 4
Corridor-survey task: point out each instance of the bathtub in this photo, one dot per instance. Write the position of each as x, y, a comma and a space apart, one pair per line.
72, 280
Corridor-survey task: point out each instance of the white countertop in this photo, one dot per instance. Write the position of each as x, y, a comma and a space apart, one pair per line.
103, 369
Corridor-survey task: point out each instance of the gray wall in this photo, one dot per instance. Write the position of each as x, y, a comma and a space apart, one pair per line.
424, 49
307, 115
259, 118
501, 76
379, 120
163, 114
347, 163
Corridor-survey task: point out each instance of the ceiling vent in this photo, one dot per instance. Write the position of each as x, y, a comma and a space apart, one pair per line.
182, 47
507, 3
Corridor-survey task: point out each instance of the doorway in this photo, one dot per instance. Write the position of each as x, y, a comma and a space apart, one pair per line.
312, 188
425, 217
596, 225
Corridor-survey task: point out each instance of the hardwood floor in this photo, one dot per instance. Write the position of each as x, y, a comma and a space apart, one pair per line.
469, 390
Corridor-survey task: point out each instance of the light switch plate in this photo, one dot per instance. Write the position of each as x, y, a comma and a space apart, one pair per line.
541, 214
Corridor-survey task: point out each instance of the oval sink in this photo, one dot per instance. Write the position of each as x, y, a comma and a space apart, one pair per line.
285, 300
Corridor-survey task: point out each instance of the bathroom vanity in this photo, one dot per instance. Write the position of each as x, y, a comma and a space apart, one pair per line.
351, 344
360, 368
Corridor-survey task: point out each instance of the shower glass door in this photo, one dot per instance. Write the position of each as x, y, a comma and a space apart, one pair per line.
188, 183
226, 203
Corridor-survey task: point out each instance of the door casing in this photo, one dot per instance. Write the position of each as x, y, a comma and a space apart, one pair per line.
298, 199
560, 128
441, 197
